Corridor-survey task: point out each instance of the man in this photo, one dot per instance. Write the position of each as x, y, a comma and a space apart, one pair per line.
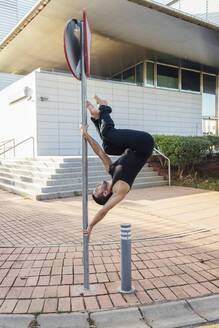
135, 147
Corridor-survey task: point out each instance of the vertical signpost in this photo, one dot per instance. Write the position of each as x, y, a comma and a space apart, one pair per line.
84, 160
77, 40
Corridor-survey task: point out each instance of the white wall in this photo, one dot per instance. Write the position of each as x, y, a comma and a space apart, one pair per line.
156, 111
18, 120
7, 79
58, 118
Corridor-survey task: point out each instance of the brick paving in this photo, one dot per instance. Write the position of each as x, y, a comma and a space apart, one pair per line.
175, 251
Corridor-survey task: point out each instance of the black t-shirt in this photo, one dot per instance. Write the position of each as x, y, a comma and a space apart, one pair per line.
127, 167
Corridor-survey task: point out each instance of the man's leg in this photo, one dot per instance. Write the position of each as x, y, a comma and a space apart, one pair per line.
97, 125
139, 141
108, 147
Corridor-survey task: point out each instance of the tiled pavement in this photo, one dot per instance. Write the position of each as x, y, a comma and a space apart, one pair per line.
175, 251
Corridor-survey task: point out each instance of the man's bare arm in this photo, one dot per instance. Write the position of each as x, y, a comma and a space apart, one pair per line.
97, 149
113, 200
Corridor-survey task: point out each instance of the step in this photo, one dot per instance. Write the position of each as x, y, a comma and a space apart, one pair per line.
56, 162
52, 177
52, 165
18, 191
59, 159
79, 193
32, 171
44, 165
66, 187
62, 180
63, 194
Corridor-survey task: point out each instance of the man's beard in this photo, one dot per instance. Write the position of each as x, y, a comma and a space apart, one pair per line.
105, 185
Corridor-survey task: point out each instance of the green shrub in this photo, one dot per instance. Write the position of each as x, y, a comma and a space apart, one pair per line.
214, 140
182, 151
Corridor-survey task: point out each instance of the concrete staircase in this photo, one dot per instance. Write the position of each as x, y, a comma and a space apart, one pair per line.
55, 177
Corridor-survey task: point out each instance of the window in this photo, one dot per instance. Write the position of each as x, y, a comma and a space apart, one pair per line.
150, 73
117, 77
129, 75
209, 84
209, 127
139, 74
190, 81
209, 95
167, 77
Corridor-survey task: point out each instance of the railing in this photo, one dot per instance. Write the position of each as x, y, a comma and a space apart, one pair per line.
4, 152
169, 173
4, 143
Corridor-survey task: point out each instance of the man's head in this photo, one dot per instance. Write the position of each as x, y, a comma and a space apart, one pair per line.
101, 193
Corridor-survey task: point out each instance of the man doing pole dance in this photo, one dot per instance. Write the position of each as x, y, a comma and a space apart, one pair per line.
135, 147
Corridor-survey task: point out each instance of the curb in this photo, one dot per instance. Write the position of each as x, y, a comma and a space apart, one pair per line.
176, 314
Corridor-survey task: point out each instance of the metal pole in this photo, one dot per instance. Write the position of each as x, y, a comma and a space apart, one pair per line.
169, 174
84, 161
125, 244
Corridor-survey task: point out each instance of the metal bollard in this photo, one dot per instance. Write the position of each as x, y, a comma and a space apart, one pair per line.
125, 261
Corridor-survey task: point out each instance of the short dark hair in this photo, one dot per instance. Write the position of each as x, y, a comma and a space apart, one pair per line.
101, 200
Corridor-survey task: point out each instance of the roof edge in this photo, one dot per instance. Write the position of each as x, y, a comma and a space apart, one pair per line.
35, 10
176, 13
145, 3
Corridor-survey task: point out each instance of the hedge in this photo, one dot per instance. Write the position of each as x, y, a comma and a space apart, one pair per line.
184, 151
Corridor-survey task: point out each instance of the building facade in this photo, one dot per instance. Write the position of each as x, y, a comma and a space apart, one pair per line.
52, 111
157, 92
162, 76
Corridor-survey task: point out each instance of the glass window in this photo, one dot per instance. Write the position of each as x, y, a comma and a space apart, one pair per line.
209, 95
139, 74
167, 77
209, 84
209, 127
129, 75
190, 81
150, 73
117, 77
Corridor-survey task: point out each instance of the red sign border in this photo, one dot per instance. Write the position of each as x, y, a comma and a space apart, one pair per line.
86, 53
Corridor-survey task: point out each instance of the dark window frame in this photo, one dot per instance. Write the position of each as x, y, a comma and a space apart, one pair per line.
185, 74
168, 67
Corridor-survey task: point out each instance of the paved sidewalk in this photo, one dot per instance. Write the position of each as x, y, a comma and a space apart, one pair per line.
186, 313
175, 251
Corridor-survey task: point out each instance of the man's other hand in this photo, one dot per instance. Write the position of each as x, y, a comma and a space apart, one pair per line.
87, 232
83, 129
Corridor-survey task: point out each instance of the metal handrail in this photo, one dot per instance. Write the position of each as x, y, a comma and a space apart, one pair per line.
169, 175
19, 145
4, 143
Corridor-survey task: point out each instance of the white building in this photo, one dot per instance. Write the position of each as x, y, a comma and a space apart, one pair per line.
51, 111
157, 66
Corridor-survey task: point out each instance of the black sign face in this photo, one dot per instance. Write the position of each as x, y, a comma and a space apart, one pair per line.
72, 47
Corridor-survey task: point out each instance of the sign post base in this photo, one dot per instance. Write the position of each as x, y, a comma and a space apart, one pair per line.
81, 290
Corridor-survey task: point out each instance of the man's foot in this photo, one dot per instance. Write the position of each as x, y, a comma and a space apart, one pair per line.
94, 112
100, 101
